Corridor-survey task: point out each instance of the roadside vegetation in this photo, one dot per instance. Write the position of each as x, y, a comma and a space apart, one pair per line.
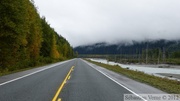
164, 84
26, 39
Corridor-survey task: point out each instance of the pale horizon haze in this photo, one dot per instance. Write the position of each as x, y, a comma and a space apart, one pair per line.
84, 22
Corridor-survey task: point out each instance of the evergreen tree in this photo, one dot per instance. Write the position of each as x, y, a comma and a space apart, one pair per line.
25, 38
34, 35
13, 31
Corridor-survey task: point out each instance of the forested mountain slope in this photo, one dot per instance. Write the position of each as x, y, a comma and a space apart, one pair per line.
169, 46
154, 52
26, 39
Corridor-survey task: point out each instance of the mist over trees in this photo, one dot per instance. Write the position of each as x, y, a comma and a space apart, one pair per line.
26, 39
125, 48
157, 51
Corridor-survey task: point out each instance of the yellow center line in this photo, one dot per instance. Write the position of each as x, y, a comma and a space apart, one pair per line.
62, 85
69, 77
59, 99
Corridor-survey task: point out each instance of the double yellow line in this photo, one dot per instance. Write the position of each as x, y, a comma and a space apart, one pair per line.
62, 85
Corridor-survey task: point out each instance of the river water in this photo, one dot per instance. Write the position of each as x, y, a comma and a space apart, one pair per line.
152, 70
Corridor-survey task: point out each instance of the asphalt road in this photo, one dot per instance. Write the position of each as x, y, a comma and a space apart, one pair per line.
73, 80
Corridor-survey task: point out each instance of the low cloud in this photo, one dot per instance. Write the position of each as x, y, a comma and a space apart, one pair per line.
84, 22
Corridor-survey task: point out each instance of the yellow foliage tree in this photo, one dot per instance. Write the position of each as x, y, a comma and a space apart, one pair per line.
54, 52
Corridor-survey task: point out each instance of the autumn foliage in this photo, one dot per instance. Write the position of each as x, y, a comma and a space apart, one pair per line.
26, 39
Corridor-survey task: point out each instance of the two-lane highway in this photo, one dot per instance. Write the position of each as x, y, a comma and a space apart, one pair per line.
73, 80
87, 84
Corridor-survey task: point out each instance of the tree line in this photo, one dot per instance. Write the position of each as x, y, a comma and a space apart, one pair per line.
26, 39
153, 52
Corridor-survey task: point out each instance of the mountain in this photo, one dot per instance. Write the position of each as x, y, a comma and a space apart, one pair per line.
125, 48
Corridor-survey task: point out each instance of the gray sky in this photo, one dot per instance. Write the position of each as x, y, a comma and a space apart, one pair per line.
84, 22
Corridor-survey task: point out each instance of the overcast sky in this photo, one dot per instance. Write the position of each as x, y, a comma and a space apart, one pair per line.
84, 22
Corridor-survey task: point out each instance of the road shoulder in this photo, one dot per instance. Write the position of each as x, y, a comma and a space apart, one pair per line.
137, 87
15, 76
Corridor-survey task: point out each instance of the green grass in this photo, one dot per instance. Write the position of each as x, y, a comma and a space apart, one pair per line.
6, 72
15, 70
164, 84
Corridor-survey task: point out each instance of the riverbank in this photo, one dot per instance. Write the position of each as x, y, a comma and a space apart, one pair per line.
161, 70
164, 84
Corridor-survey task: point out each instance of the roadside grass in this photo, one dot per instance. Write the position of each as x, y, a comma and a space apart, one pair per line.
8, 71
164, 84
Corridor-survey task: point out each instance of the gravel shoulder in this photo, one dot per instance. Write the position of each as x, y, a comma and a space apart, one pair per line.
170, 75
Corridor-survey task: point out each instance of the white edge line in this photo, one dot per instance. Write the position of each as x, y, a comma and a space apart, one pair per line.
117, 82
32, 73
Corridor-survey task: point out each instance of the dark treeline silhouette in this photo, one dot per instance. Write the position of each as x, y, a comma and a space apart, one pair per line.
123, 48
146, 51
